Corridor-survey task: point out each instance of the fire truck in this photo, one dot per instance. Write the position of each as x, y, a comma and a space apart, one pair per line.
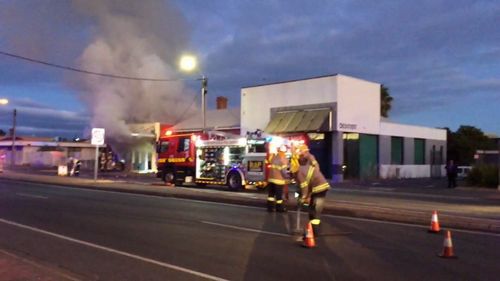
213, 159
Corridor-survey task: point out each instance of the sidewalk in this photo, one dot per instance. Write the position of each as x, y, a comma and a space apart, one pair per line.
13, 268
462, 208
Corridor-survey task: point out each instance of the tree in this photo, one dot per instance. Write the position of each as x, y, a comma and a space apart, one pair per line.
2, 133
385, 101
463, 143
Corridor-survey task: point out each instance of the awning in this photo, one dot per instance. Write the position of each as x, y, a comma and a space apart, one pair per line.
299, 121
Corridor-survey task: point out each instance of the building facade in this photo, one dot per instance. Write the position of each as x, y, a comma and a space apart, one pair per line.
45, 152
339, 117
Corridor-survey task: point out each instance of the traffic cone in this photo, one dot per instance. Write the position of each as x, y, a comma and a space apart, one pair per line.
434, 223
309, 237
447, 247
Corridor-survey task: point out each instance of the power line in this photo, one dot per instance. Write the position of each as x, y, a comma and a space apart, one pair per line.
91, 72
181, 117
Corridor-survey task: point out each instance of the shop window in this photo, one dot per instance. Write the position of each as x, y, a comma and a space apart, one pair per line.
419, 151
397, 151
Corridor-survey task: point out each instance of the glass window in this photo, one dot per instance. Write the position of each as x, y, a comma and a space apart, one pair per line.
163, 147
397, 150
183, 144
419, 151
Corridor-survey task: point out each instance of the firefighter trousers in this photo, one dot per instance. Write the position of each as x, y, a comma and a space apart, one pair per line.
275, 198
315, 209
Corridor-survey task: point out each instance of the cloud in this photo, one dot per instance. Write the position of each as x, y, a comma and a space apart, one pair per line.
37, 119
427, 52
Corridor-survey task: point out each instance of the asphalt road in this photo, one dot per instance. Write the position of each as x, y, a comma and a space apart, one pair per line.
96, 235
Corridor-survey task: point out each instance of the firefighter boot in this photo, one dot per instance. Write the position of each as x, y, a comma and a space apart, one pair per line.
280, 206
316, 227
271, 205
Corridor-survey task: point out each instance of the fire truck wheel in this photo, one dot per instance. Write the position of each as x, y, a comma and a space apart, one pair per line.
168, 176
234, 181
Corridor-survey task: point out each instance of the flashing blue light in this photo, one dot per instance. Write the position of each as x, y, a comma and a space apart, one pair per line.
268, 139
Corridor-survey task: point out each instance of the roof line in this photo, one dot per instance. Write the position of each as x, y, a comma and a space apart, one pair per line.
288, 81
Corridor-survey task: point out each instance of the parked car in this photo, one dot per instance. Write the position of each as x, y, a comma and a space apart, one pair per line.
463, 171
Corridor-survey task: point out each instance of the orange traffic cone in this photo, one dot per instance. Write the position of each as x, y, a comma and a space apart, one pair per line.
309, 237
434, 223
447, 247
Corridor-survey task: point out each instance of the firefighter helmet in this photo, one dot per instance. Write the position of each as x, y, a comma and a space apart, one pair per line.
283, 148
302, 148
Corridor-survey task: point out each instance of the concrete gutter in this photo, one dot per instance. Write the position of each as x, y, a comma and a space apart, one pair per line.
334, 207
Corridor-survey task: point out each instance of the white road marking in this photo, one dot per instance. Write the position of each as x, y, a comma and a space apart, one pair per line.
111, 250
40, 266
412, 225
409, 194
32, 195
246, 229
260, 208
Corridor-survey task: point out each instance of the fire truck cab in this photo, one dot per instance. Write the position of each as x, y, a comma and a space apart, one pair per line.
203, 159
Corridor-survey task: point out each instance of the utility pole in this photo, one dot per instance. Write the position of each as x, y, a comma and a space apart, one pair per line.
13, 154
204, 91
498, 162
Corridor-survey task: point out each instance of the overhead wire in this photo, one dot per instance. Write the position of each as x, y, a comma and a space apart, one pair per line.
69, 68
181, 117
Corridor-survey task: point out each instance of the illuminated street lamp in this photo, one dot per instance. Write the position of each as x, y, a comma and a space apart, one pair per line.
189, 63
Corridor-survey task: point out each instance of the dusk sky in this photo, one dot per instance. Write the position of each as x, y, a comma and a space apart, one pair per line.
439, 59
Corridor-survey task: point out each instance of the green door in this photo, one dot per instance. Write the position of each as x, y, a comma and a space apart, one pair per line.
368, 155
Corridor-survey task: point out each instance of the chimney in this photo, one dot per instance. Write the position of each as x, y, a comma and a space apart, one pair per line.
221, 103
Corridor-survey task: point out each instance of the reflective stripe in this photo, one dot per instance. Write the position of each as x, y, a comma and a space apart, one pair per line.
314, 163
303, 184
270, 199
321, 187
279, 167
315, 221
309, 174
277, 181
279, 202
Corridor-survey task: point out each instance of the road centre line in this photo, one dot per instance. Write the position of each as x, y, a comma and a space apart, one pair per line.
260, 208
412, 225
32, 195
246, 229
111, 250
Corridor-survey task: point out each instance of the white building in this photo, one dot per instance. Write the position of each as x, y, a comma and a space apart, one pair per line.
339, 116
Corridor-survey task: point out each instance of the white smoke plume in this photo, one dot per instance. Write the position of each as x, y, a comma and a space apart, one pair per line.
135, 39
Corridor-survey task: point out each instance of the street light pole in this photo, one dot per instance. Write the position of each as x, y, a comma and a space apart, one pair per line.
188, 63
13, 154
204, 90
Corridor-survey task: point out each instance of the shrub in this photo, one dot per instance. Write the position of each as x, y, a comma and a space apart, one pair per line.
483, 175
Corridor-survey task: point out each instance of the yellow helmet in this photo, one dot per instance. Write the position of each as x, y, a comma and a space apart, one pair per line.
302, 148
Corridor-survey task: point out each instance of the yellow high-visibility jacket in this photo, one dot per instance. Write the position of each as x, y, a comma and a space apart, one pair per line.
278, 170
310, 178
294, 163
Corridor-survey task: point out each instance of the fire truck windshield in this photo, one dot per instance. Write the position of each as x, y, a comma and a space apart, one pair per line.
257, 147
163, 146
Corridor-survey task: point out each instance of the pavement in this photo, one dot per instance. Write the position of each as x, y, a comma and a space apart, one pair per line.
15, 267
404, 201
400, 201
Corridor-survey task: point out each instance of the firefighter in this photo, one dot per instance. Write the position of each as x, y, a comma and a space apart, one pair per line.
313, 186
294, 162
277, 180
